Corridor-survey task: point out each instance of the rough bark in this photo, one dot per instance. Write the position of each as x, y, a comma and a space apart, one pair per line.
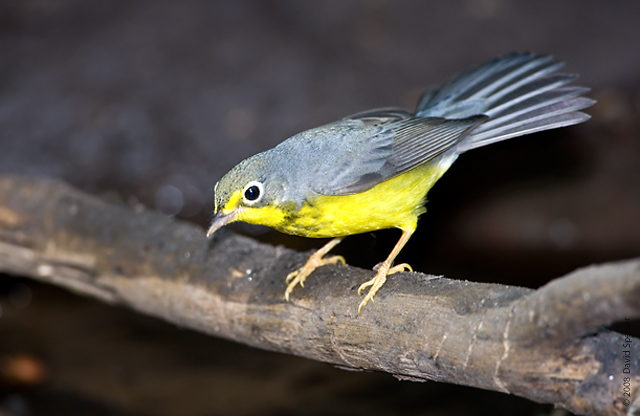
547, 345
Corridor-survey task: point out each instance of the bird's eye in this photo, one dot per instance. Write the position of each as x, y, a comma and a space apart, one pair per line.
253, 192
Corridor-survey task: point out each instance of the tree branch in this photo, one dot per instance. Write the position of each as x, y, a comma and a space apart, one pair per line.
546, 345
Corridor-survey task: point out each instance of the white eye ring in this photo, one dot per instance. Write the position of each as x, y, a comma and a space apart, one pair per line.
253, 192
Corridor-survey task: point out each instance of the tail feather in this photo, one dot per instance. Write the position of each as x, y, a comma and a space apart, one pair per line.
550, 104
525, 104
537, 91
560, 114
508, 79
519, 92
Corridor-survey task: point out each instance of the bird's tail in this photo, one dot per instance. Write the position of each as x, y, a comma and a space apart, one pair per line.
519, 92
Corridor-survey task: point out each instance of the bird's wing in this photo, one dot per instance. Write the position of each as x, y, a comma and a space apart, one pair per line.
400, 143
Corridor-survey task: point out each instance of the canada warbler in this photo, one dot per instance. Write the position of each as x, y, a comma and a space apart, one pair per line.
372, 170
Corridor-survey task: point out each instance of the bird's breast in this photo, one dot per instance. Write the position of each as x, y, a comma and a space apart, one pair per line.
395, 203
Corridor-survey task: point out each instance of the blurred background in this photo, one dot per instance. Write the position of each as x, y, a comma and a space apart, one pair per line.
153, 101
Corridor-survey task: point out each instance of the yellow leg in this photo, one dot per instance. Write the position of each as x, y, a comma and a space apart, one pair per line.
315, 261
385, 269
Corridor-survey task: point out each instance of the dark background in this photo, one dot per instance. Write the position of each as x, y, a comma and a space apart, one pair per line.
153, 101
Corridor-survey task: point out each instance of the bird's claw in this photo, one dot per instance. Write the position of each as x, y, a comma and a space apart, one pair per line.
377, 282
300, 275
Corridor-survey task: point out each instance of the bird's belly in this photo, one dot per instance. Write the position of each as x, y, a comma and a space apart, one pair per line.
395, 203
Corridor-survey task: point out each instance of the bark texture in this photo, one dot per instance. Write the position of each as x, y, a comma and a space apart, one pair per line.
547, 345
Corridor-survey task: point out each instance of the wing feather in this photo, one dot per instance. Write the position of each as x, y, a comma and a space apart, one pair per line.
402, 143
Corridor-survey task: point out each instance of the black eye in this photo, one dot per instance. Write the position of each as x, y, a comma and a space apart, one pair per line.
252, 193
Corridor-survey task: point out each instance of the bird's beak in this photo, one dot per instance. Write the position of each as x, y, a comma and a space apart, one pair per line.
220, 220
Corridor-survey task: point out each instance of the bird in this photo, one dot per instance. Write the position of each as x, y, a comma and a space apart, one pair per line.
372, 170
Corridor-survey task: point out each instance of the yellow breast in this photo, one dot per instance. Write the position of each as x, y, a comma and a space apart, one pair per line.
395, 203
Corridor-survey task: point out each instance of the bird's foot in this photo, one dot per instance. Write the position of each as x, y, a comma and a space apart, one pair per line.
299, 276
377, 282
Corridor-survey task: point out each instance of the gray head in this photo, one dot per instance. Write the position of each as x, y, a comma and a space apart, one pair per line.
247, 191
